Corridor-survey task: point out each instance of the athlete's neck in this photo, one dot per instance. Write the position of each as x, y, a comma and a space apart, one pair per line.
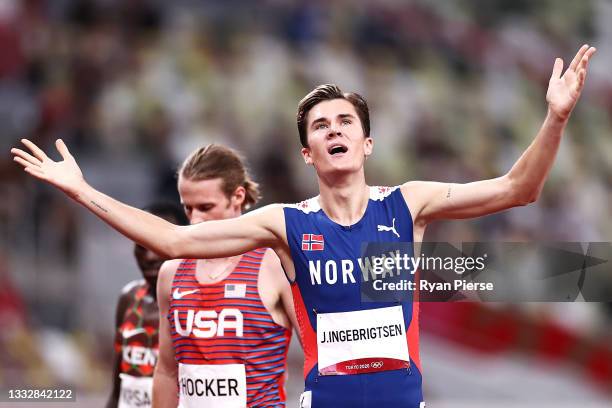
215, 269
344, 199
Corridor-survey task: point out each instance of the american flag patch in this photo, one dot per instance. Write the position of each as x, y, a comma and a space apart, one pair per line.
312, 242
235, 290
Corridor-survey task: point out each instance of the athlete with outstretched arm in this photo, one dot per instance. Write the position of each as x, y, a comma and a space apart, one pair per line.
327, 230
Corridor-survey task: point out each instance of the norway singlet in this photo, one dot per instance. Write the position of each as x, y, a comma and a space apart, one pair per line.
357, 354
137, 343
230, 352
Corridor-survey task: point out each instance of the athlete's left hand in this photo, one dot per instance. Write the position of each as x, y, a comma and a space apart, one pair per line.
564, 88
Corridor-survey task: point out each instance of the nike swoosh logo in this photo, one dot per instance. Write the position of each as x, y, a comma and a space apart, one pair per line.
178, 294
129, 333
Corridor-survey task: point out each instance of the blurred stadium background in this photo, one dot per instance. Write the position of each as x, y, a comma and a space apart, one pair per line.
456, 90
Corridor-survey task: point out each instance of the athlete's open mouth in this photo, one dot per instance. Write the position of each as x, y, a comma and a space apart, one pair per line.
337, 148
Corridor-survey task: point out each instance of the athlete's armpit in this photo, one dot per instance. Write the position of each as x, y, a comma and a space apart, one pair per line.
274, 288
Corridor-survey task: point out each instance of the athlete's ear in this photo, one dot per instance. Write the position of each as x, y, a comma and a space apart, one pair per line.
306, 155
368, 146
238, 197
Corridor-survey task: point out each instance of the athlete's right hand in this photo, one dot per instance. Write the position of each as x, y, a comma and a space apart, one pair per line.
65, 175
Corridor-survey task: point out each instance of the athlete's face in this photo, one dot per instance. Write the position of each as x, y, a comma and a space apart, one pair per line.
336, 142
148, 261
204, 200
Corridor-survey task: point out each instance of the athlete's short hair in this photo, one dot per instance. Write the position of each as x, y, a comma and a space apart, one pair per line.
329, 92
216, 161
167, 210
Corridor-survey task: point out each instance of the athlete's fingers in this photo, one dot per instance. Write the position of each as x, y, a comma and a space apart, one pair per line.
25, 156
581, 77
584, 62
590, 52
36, 151
23, 162
28, 166
557, 69
578, 57
62, 149
35, 172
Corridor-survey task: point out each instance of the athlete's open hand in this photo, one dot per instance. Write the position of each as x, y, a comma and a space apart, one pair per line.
564, 88
65, 175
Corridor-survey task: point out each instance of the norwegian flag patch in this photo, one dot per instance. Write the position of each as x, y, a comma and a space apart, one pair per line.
312, 242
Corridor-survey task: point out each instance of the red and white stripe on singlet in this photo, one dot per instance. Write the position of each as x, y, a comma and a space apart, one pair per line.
263, 346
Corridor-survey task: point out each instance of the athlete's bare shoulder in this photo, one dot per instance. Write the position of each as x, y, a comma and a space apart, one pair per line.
276, 214
166, 274
413, 188
271, 218
169, 268
416, 193
272, 270
165, 278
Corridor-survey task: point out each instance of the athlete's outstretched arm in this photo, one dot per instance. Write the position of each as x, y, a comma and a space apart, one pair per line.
523, 183
212, 239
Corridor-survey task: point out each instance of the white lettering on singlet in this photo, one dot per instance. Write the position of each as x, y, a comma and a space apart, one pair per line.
206, 323
137, 355
372, 268
331, 271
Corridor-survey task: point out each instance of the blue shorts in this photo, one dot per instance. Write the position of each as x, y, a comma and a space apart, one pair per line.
395, 388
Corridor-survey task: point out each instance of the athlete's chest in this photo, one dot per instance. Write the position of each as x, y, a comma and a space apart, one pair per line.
322, 245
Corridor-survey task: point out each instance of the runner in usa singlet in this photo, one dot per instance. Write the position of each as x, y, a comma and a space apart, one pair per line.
230, 352
357, 354
136, 342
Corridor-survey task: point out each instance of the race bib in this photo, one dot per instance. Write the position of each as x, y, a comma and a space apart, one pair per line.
306, 399
136, 392
222, 385
362, 341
